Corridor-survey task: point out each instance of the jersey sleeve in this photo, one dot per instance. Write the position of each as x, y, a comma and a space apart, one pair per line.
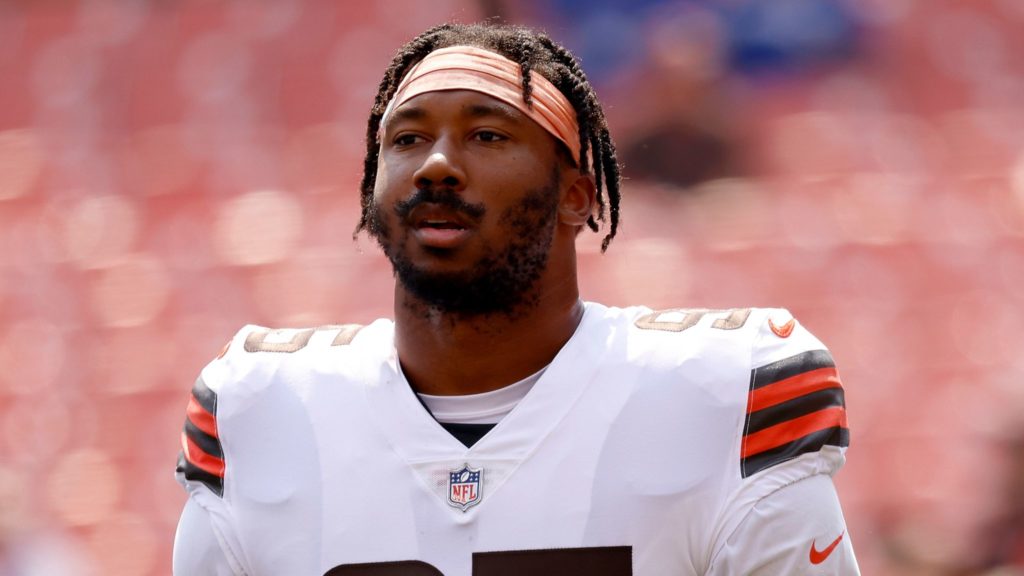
794, 438
206, 542
202, 463
798, 529
796, 406
201, 460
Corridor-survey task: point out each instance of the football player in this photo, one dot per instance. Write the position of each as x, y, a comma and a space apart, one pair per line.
500, 425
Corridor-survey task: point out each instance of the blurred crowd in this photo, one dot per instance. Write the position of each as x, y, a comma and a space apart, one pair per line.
172, 170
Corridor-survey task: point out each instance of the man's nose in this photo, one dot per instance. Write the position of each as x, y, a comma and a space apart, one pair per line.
442, 167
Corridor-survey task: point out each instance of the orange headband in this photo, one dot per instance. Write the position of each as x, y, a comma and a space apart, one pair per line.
479, 70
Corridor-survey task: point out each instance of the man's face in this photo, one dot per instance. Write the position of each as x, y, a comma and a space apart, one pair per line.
466, 201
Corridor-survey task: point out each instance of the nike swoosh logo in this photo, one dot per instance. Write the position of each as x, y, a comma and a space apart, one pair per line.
819, 557
782, 331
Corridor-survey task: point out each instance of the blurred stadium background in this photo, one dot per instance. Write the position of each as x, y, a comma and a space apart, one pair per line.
171, 170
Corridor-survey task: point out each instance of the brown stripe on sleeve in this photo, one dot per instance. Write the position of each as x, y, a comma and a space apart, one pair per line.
795, 406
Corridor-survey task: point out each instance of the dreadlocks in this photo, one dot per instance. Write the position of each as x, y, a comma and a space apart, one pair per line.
532, 51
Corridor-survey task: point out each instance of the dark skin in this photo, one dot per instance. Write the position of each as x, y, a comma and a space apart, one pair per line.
492, 155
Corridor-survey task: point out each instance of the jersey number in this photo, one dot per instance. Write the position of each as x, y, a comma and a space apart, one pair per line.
679, 319
262, 340
597, 561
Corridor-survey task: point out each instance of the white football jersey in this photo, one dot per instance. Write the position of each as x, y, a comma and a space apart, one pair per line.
653, 444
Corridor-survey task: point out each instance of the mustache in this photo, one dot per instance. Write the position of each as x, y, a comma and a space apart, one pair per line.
445, 197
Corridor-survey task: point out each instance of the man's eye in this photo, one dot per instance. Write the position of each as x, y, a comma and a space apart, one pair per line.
405, 139
488, 136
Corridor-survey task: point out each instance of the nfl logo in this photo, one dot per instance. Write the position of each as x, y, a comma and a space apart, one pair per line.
464, 487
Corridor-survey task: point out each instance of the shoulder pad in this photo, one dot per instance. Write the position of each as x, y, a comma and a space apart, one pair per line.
242, 369
257, 349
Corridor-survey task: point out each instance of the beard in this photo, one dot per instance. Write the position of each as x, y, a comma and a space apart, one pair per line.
503, 279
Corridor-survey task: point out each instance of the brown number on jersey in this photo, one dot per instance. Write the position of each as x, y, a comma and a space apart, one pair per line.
596, 561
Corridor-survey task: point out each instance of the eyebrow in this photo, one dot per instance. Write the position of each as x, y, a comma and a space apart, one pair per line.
496, 109
408, 113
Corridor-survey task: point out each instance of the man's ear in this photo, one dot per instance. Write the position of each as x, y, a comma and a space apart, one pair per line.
577, 202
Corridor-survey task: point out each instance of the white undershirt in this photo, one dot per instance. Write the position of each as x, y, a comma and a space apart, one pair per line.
485, 408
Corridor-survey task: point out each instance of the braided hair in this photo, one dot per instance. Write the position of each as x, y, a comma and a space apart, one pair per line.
534, 51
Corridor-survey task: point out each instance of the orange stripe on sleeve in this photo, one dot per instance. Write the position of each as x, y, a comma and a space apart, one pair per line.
792, 387
786, 432
201, 418
200, 459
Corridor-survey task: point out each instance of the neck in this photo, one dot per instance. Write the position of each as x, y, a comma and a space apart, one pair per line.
446, 354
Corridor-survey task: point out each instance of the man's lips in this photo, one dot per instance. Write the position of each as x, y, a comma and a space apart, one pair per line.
441, 237
430, 215
438, 226
439, 223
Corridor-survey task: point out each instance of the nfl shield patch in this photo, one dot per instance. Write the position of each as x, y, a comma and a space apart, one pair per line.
464, 487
